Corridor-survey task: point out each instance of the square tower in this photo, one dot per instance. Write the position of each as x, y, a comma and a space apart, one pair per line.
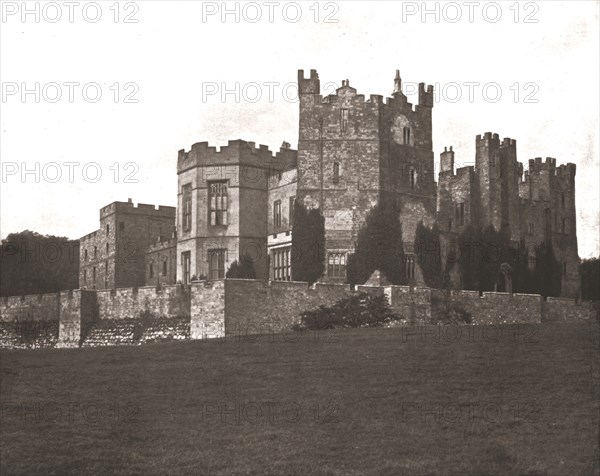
115, 255
354, 153
222, 201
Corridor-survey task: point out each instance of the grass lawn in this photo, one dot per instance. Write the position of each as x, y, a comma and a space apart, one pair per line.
367, 401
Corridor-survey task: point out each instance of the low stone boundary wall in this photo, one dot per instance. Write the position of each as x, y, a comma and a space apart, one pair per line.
260, 307
238, 306
559, 309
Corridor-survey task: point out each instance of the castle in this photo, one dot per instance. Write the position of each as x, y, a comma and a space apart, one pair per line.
353, 153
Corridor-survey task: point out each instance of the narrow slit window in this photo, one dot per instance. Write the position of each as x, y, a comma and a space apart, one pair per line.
344, 120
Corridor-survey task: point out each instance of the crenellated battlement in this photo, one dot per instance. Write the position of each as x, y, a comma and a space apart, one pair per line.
311, 86
566, 170
537, 165
141, 208
487, 137
235, 152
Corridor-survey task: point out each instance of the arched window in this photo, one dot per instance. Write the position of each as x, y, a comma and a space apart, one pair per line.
562, 200
413, 179
336, 172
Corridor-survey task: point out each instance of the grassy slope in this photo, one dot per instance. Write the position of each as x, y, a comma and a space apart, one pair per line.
363, 378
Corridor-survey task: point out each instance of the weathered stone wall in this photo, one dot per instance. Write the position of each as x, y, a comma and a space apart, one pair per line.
560, 309
491, 308
259, 307
207, 309
161, 263
78, 310
34, 307
130, 303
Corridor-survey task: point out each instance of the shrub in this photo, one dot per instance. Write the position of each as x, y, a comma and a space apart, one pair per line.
308, 244
361, 310
590, 279
242, 270
379, 246
450, 312
428, 251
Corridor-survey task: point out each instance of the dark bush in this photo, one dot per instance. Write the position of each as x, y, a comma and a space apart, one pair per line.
242, 270
361, 310
448, 311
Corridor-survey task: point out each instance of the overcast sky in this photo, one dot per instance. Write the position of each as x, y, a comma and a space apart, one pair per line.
535, 69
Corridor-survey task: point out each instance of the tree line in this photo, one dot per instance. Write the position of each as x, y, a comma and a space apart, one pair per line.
32, 263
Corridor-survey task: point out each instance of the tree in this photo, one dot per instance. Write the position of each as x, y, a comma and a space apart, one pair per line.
428, 251
482, 253
548, 272
242, 270
590, 279
308, 244
379, 247
523, 281
33, 263
469, 257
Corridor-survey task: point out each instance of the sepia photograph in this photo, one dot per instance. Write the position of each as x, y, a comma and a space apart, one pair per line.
300, 238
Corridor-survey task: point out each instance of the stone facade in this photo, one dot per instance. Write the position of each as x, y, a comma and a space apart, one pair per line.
535, 206
223, 198
161, 262
116, 254
354, 153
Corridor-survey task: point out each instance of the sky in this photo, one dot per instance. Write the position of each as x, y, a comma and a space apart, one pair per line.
97, 98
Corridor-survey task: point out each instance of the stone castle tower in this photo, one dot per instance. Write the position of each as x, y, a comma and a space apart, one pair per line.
354, 153
534, 206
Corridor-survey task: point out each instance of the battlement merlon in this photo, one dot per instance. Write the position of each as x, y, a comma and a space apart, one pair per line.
425, 97
236, 152
310, 85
